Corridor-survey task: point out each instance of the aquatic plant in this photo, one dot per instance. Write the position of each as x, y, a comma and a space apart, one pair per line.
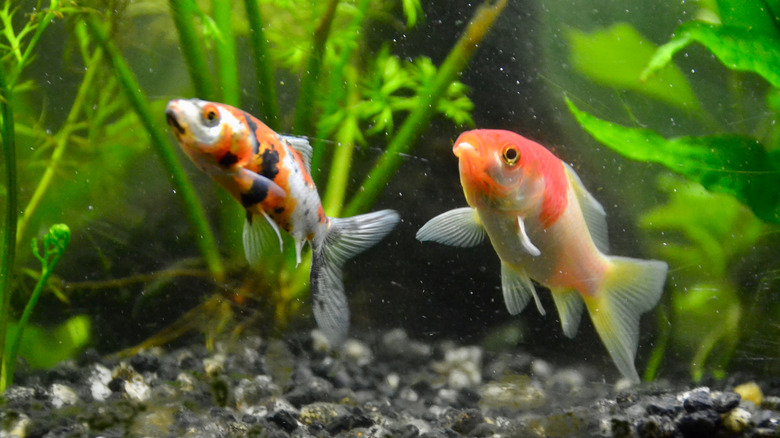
702, 233
347, 94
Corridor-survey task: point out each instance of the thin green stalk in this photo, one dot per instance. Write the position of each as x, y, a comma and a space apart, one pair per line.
269, 107
26, 56
418, 119
9, 219
193, 209
307, 95
62, 141
227, 61
182, 12
54, 244
338, 178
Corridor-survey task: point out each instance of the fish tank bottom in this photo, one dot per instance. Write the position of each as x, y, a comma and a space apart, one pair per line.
384, 385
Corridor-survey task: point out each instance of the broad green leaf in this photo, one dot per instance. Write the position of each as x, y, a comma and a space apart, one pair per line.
616, 56
753, 15
44, 348
738, 49
731, 164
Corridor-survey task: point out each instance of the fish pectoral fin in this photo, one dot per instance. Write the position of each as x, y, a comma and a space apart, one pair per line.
299, 242
259, 233
458, 227
260, 188
569, 305
525, 240
518, 290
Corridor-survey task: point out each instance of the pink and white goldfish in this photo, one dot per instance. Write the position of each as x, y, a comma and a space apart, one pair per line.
269, 174
545, 225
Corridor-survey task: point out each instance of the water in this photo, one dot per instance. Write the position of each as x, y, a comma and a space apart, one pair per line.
135, 263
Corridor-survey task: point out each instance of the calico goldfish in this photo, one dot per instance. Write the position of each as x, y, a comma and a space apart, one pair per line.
545, 225
270, 175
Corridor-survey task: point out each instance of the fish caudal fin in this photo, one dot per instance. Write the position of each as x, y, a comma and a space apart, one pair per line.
629, 288
346, 238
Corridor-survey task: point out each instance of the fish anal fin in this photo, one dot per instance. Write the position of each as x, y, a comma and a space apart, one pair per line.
459, 227
518, 289
569, 305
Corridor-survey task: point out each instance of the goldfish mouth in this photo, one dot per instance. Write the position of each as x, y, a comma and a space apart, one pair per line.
170, 117
462, 147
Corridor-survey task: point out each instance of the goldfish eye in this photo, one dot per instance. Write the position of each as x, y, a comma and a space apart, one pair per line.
210, 115
510, 155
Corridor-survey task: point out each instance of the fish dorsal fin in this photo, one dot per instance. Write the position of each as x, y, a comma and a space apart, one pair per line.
525, 240
518, 290
260, 232
303, 147
569, 305
595, 216
458, 227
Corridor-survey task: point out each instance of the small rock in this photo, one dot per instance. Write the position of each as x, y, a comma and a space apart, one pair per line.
98, 380
284, 419
137, 389
348, 422
357, 352
518, 392
698, 400
750, 391
656, 426
62, 395
321, 412
145, 362
666, 406
699, 424
314, 389
725, 401
737, 420
214, 365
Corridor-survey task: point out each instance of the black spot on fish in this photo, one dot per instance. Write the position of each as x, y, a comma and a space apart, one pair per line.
249, 217
256, 194
170, 116
252, 132
270, 164
228, 159
279, 210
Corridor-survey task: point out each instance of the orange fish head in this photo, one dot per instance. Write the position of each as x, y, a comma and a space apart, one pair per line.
212, 134
496, 169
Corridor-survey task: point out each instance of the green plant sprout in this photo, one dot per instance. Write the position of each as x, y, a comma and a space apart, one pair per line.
54, 244
739, 170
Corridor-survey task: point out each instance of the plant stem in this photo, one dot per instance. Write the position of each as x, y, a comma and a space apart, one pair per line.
338, 177
62, 141
269, 106
418, 119
304, 108
182, 12
227, 62
46, 271
26, 56
193, 209
9, 228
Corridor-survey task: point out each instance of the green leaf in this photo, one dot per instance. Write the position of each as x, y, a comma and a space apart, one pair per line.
737, 48
731, 164
616, 56
752, 15
44, 348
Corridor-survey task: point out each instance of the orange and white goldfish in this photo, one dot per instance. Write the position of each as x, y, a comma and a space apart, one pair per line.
269, 174
545, 225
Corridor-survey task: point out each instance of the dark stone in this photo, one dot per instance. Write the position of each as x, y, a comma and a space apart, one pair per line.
698, 401
655, 426
725, 401
312, 390
468, 398
407, 431
620, 427
466, 420
116, 384
284, 419
348, 422
699, 424
484, 430
667, 406
145, 362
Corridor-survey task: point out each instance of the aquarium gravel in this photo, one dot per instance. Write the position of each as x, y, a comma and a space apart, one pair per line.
386, 385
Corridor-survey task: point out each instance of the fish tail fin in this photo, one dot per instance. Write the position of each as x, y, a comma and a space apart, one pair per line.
629, 288
345, 238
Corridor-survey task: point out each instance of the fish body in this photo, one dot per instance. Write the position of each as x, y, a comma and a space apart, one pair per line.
269, 174
545, 225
